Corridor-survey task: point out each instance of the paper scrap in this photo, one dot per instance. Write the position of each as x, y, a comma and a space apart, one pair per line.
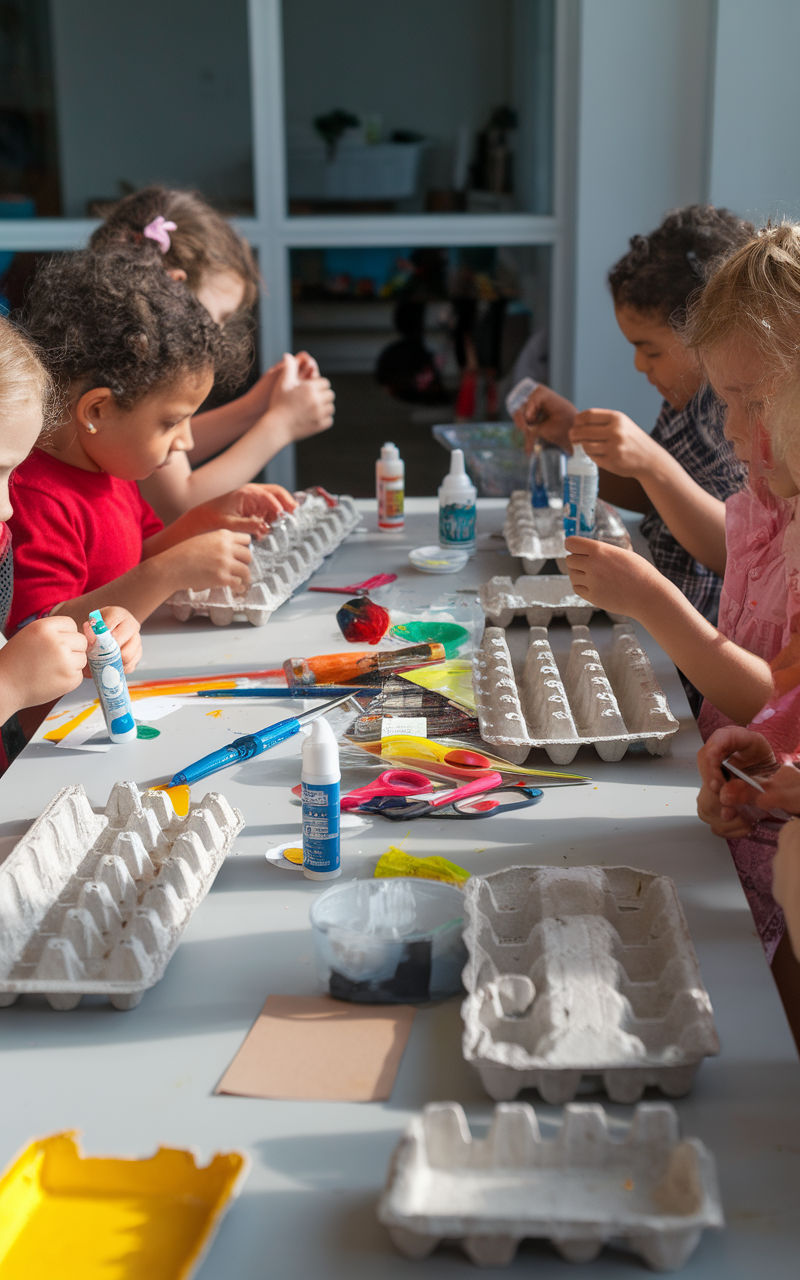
313, 1048
412, 726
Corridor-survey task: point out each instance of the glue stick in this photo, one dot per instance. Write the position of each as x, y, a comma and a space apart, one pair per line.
105, 664
320, 794
390, 485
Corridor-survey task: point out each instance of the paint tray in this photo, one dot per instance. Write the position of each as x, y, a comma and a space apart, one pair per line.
648, 1192
582, 971
66, 1216
536, 534
607, 705
539, 597
294, 548
96, 903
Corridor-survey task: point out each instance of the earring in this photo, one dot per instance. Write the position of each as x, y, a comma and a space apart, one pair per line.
92, 430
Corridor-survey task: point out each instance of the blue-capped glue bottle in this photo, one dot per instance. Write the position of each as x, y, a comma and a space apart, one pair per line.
105, 664
320, 780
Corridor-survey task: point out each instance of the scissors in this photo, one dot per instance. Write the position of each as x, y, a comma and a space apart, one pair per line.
391, 783
443, 761
481, 798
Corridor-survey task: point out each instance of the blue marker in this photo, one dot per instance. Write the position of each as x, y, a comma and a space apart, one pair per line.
253, 743
108, 673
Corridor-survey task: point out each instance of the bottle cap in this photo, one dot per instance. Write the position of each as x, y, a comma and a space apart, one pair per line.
457, 486
96, 619
321, 752
390, 453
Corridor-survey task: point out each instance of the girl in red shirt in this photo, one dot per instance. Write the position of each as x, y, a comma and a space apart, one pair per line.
134, 354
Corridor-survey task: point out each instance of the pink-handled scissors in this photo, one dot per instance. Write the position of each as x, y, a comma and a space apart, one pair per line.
393, 782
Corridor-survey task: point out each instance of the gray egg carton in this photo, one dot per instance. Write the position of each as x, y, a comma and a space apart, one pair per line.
96, 903
582, 971
536, 534
539, 597
294, 548
651, 1192
608, 706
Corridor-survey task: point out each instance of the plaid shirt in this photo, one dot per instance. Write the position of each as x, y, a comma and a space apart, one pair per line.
694, 437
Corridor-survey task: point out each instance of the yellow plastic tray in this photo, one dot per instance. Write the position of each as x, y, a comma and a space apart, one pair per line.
66, 1216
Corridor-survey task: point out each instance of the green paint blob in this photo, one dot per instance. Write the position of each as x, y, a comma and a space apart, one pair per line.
450, 634
147, 731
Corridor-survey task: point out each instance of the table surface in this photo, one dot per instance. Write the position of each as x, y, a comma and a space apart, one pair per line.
131, 1081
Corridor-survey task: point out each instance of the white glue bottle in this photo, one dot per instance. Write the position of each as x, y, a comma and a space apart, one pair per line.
580, 493
320, 793
390, 485
105, 664
457, 496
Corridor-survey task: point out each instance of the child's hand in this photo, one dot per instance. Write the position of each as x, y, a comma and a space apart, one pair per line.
306, 403
307, 366
719, 799
609, 577
548, 415
249, 509
42, 662
613, 441
126, 631
786, 880
218, 559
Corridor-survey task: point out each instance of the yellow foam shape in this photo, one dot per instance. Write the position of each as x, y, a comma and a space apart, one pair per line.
179, 796
453, 679
66, 1215
396, 863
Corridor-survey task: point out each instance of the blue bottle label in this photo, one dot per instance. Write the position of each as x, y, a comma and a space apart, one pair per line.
456, 525
321, 826
580, 500
109, 676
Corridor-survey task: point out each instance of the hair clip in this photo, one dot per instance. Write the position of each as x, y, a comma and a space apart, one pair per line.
159, 230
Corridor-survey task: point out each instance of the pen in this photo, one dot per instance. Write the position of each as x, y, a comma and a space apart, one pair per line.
301, 691
253, 744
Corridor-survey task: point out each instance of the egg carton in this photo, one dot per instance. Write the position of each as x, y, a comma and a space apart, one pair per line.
294, 548
541, 598
582, 971
96, 903
651, 1192
585, 707
536, 534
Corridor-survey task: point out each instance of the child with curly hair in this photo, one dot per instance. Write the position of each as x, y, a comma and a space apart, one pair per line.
180, 232
134, 354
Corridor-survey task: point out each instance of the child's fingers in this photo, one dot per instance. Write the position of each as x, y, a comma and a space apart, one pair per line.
577, 546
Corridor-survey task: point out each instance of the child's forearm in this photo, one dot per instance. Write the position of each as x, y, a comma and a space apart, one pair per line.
695, 518
736, 682
241, 462
217, 428
624, 491
140, 591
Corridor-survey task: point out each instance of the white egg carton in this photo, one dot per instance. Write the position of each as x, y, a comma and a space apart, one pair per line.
582, 971
650, 1192
294, 548
541, 598
536, 534
96, 903
608, 707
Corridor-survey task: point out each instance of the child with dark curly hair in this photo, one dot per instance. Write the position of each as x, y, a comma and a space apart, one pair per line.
680, 474
179, 232
133, 354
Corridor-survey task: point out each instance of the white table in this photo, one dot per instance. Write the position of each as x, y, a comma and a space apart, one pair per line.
133, 1080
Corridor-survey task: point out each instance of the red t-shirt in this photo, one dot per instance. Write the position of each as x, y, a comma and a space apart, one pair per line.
73, 531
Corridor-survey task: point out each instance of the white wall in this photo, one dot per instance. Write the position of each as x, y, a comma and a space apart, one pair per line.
755, 159
157, 90
643, 86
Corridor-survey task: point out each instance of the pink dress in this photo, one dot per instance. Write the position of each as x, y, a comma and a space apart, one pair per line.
762, 573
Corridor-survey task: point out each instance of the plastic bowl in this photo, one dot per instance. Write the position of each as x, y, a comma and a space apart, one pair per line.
392, 941
449, 634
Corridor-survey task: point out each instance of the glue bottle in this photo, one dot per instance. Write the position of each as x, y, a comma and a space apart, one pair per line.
580, 493
105, 664
320, 793
390, 484
457, 496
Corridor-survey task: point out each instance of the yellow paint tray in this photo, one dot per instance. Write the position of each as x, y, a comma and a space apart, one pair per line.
66, 1215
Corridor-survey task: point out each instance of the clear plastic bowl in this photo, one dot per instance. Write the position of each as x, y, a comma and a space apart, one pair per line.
494, 455
389, 941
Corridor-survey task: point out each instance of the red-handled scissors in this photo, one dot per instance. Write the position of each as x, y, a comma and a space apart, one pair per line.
393, 782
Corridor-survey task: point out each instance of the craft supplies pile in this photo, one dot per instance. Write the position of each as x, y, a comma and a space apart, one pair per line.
417, 781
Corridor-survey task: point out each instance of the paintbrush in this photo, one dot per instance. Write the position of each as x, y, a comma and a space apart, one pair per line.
338, 668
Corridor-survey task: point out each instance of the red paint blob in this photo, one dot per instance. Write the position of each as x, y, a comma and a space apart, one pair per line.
362, 621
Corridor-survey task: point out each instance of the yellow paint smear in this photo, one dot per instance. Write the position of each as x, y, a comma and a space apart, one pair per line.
293, 855
214, 715
179, 796
78, 1218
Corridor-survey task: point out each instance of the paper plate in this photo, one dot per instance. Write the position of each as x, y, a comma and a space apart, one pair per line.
436, 559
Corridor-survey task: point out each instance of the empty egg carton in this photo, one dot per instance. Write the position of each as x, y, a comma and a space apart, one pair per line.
582, 971
541, 598
536, 534
651, 1193
96, 903
586, 707
294, 548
